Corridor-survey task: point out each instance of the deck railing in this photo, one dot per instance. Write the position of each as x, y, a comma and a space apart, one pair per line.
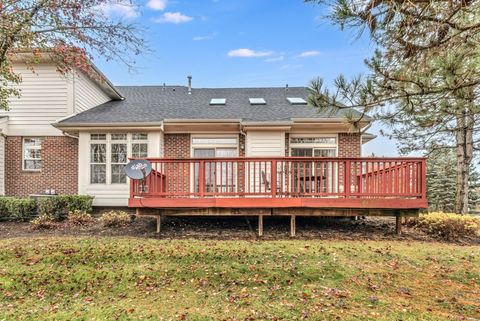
284, 177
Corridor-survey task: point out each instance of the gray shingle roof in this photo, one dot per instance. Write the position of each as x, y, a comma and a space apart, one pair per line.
156, 103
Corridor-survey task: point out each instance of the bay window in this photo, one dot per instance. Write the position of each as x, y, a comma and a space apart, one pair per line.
109, 154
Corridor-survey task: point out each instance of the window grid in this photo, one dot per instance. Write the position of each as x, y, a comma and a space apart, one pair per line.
107, 162
32, 154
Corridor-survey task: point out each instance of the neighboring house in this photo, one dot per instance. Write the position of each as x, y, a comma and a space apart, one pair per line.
75, 135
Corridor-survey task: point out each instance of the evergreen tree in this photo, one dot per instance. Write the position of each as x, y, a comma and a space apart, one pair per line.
441, 181
424, 79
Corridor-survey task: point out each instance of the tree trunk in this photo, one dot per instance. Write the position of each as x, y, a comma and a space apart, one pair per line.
464, 137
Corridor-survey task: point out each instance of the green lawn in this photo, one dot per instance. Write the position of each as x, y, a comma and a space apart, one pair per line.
125, 278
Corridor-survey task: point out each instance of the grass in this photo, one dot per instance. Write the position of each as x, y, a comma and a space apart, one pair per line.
125, 278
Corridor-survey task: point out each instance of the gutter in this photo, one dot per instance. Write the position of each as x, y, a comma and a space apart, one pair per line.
322, 120
265, 123
107, 81
173, 120
117, 124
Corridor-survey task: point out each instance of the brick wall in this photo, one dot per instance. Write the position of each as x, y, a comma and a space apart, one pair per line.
177, 145
349, 145
59, 172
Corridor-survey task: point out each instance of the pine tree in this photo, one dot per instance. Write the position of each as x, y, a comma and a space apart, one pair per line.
424, 79
441, 182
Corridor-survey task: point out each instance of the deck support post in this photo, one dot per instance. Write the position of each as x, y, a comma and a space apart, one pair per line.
398, 224
159, 223
260, 225
292, 226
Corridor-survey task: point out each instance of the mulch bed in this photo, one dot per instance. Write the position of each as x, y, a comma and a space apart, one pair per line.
228, 228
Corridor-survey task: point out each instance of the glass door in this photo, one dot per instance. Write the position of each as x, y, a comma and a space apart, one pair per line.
226, 172
326, 171
203, 153
220, 176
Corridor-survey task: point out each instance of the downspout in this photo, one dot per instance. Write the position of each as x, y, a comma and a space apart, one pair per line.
69, 135
244, 135
365, 128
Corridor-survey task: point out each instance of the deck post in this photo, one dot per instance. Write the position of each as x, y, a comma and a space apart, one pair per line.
260, 225
292, 226
398, 224
159, 223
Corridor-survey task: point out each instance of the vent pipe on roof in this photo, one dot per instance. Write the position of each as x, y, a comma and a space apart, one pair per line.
189, 85
164, 86
286, 89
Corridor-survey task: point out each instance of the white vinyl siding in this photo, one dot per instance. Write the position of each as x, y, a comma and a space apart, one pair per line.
87, 94
263, 144
45, 97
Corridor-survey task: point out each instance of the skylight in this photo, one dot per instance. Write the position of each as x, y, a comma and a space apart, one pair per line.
218, 101
257, 101
296, 101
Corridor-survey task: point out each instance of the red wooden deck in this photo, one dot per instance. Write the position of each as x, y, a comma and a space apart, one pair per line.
283, 182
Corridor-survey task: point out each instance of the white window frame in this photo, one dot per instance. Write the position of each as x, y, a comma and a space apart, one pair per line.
313, 146
40, 147
108, 141
212, 145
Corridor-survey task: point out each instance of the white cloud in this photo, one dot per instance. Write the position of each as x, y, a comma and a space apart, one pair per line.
157, 4
310, 53
248, 53
206, 37
289, 66
173, 17
275, 59
121, 9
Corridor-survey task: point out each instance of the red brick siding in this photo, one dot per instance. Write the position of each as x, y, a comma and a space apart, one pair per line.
59, 172
177, 146
349, 145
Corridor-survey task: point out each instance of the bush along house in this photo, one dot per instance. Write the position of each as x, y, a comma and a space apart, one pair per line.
214, 151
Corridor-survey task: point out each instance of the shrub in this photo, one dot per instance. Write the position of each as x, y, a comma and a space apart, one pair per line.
58, 207
79, 217
43, 222
447, 225
21, 209
115, 219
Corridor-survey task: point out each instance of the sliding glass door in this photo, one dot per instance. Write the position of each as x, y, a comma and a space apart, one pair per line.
220, 176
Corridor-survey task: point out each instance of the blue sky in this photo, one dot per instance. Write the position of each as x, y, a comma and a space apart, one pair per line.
240, 43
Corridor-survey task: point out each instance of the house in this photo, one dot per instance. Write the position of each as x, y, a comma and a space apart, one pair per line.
214, 151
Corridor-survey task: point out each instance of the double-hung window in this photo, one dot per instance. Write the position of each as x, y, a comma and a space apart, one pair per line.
98, 159
109, 154
32, 154
118, 158
140, 145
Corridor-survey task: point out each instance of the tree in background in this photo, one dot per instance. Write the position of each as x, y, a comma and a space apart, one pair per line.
67, 31
441, 182
423, 80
